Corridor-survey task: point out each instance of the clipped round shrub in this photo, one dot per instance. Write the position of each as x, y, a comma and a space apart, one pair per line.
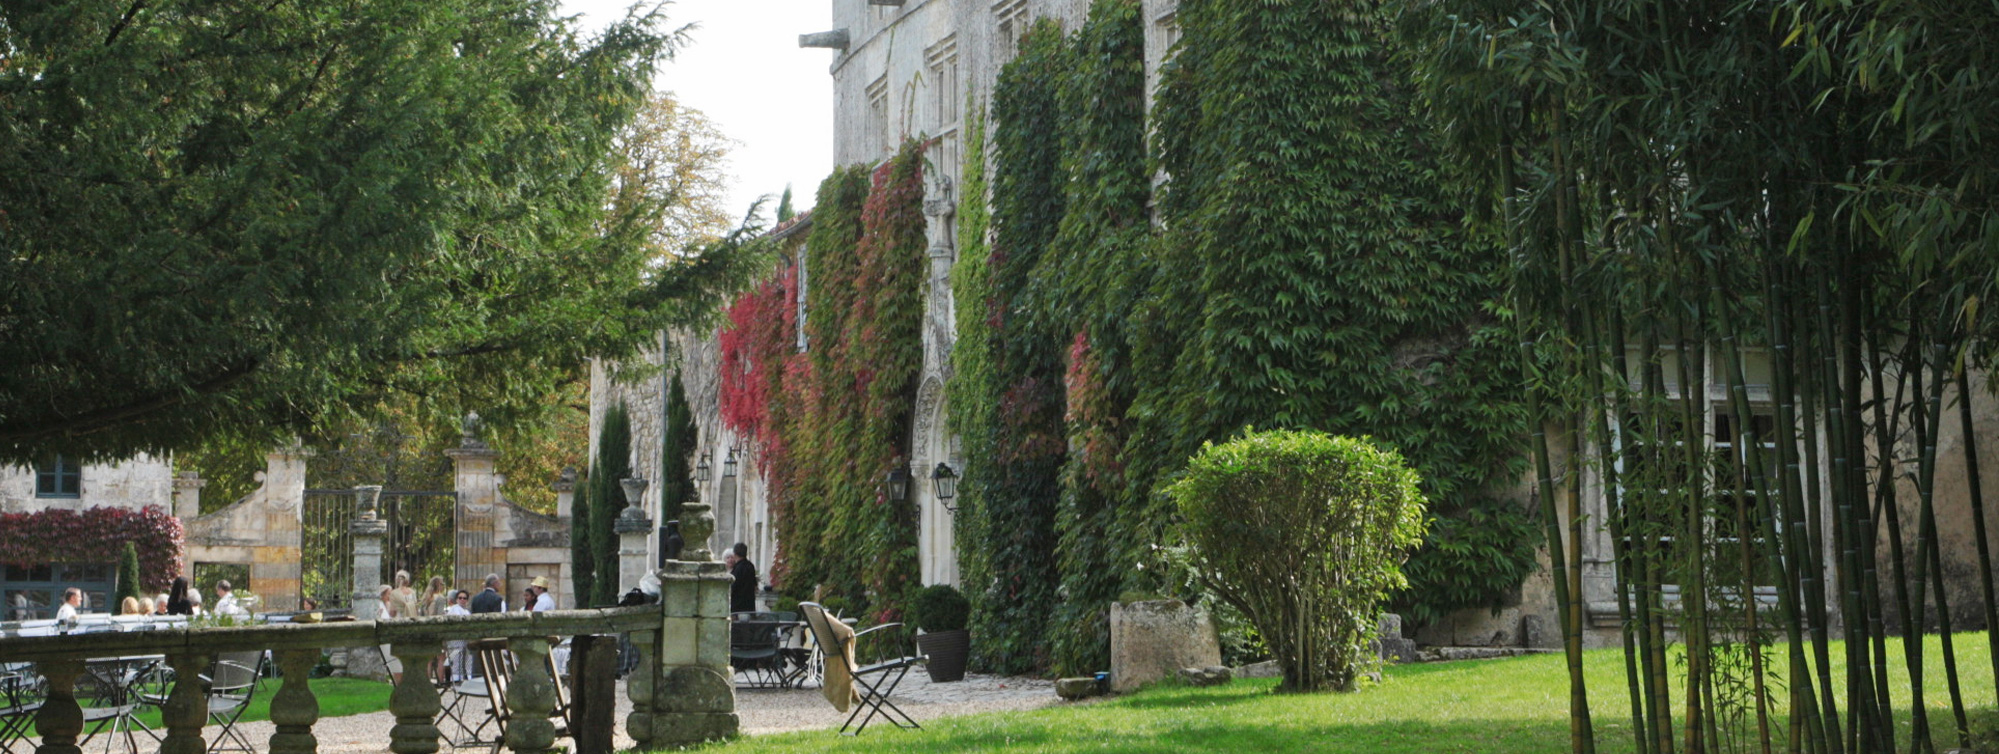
939, 607
1304, 533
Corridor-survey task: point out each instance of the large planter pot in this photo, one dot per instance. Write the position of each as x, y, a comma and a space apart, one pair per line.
947, 651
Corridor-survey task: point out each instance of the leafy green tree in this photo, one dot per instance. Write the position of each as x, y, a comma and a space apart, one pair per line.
262, 218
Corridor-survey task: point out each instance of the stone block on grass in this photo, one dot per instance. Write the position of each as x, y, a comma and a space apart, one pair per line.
1077, 688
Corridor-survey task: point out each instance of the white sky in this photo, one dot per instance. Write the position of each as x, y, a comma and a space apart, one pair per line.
745, 70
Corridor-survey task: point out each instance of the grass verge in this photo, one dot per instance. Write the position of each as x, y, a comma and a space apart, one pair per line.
1487, 706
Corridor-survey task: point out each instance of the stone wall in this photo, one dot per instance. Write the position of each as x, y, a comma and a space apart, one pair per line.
133, 483
260, 531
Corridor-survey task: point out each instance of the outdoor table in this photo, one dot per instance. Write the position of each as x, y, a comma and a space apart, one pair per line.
119, 684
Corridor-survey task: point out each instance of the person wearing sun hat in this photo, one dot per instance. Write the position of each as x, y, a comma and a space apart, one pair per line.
542, 602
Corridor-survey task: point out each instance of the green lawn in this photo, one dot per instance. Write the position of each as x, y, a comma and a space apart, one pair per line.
337, 697
1512, 705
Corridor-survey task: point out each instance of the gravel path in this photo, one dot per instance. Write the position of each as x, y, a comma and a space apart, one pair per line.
762, 710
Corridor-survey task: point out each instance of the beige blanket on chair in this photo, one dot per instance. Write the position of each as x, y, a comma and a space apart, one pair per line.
836, 684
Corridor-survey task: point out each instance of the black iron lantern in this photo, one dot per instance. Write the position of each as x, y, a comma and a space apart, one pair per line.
947, 485
702, 470
898, 483
729, 465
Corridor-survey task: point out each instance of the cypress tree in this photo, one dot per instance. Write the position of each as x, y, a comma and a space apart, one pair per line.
128, 574
677, 450
607, 499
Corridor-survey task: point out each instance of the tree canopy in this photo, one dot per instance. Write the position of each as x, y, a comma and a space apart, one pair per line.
255, 218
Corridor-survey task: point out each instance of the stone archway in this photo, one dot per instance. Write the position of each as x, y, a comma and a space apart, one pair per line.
936, 545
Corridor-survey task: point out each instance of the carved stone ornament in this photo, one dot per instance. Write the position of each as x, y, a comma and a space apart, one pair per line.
939, 205
470, 429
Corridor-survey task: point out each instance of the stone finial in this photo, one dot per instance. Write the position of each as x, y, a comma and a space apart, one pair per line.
697, 526
633, 517
367, 498
470, 429
566, 481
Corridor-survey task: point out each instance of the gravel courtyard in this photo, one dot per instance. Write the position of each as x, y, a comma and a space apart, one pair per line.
762, 710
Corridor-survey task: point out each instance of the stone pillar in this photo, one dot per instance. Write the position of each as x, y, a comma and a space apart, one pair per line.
531, 698
565, 494
187, 495
368, 530
275, 566
415, 700
639, 687
294, 708
478, 488
694, 698
186, 710
633, 528
60, 720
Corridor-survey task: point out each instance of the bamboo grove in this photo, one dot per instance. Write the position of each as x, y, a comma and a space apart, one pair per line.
1749, 245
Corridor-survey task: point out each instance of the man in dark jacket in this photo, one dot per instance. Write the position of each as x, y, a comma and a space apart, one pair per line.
490, 601
742, 594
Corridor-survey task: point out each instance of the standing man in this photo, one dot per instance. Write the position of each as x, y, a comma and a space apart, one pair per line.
743, 593
225, 598
72, 598
542, 602
490, 601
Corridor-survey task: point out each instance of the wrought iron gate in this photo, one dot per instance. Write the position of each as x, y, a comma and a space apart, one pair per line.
422, 539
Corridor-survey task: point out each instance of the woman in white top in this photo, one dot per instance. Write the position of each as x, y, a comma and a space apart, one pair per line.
454, 650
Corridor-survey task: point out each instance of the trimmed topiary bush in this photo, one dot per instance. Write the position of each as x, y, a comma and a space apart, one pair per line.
1305, 533
939, 607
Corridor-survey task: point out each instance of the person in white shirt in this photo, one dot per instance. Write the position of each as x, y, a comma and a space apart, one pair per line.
454, 650
72, 598
542, 602
225, 600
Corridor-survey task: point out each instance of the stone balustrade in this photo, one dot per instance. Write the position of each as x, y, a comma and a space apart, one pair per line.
297, 648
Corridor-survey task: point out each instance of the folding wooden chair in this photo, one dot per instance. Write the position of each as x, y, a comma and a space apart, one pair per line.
497, 666
872, 683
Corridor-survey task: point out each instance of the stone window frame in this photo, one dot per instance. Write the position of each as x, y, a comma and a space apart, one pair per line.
1717, 410
941, 59
59, 477
877, 94
1011, 19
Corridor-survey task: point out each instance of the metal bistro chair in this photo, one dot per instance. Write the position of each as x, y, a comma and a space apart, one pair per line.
872, 683
232, 683
756, 651
21, 694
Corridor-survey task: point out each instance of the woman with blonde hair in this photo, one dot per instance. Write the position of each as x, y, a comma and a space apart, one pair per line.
436, 598
147, 606
405, 597
130, 606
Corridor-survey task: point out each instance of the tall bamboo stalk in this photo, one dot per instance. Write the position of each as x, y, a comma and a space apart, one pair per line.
1974, 487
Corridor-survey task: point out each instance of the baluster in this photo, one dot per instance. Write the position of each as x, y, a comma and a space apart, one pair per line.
294, 708
639, 686
415, 700
60, 720
186, 709
531, 698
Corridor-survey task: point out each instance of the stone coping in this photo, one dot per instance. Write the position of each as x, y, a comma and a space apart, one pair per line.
426, 630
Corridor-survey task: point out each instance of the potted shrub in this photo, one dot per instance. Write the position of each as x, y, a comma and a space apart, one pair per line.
940, 612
